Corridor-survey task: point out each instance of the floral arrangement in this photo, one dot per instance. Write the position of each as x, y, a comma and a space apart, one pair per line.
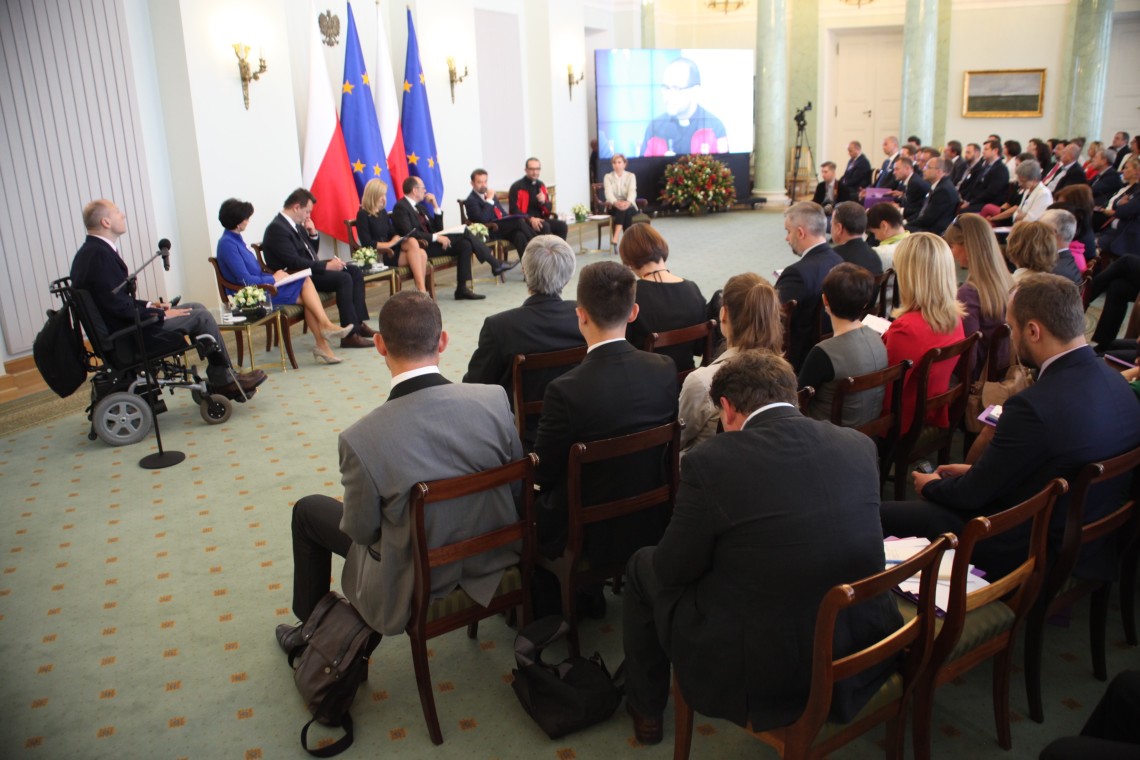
698, 183
580, 212
365, 256
479, 231
249, 297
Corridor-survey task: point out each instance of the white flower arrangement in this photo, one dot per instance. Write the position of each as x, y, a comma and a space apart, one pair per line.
479, 231
249, 297
365, 256
579, 211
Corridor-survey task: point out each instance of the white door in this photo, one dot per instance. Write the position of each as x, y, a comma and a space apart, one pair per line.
1122, 89
864, 93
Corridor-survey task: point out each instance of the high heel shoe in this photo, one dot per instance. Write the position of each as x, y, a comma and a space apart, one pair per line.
323, 358
337, 333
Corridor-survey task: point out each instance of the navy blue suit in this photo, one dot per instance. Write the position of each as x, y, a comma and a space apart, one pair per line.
483, 211
887, 174
989, 186
857, 175
1047, 431
802, 282
939, 210
1104, 186
1124, 239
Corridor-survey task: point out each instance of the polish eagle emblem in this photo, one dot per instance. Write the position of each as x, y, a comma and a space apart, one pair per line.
330, 27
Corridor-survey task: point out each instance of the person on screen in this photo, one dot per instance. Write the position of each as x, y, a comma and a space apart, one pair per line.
685, 127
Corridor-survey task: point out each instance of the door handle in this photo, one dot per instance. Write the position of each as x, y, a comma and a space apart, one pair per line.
867, 114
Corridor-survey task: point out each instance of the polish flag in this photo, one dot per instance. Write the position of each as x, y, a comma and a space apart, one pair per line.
324, 168
387, 110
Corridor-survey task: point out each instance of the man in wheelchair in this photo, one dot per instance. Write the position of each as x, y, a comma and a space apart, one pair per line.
99, 270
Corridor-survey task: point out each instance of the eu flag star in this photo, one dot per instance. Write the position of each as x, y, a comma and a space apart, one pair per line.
364, 78
421, 77
347, 87
358, 166
413, 158
407, 86
431, 163
376, 169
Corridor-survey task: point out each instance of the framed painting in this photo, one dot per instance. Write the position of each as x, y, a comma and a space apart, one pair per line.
1004, 93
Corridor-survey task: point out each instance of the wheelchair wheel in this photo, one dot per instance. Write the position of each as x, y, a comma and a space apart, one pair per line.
215, 409
121, 419
198, 396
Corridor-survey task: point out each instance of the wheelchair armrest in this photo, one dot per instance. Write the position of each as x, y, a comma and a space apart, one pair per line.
130, 329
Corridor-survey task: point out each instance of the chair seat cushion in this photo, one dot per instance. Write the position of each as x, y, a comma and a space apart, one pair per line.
981, 625
292, 311
458, 600
442, 262
890, 691
327, 298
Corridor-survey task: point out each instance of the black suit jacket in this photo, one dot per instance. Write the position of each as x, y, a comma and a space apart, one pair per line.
1074, 175
842, 193
616, 390
886, 176
406, 219
1105, 185
857, 175
990, 186
98, 269
285, 248
1121, 156
969, 177
543, 323
939, 210
914, 196
479, 209
1048, 431
1067, 266
803, 283
759, 534
856, 251
959, 170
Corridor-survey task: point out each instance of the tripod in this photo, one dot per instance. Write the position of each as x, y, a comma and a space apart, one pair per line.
801, 141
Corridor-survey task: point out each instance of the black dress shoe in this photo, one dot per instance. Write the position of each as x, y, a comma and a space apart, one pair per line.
465, 294
289, 637
355, 341
645, 730
503, 268
363, 330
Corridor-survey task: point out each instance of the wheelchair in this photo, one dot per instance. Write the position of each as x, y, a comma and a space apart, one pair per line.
123, 401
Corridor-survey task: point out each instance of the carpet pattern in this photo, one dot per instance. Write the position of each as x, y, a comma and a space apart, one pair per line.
137, 607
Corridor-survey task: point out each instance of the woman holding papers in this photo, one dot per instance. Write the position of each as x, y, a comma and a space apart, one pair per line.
375, 230
239, 266
986, 289
621, 197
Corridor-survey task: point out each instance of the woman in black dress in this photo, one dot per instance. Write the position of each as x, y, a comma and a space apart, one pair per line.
375, 230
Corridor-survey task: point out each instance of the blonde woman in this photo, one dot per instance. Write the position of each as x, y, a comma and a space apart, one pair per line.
929, 316
621, 196
376, 231
749, 318
986, 289
1032, 247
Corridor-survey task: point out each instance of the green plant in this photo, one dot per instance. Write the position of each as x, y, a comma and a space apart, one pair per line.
698, 182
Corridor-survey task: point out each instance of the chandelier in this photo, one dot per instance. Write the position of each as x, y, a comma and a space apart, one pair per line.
857, 3
730, 5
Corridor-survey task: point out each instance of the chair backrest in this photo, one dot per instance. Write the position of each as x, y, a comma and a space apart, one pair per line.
888, 293
998, 340
886, 426
915, 636
803, 398
662, 494
92, 322
260, 257
955, 396
878, 303
462, 211
563, 360
1019, 588
597, 198
787, 310
1132, 332
702, 332
350, 229
221, 281
425, 558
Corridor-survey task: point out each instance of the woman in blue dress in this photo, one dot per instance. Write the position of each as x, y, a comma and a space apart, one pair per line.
239, 265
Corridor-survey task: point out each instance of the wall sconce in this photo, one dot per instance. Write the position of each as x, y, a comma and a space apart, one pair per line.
572, 79
454, 76
244, 70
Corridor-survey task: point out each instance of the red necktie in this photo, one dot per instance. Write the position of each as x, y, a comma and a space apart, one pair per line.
424, 222
498, 213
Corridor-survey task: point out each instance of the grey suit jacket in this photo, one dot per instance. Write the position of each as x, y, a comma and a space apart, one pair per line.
438, 430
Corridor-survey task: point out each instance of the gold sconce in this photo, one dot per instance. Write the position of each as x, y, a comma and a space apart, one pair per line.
454, 76
572, 79
245, 71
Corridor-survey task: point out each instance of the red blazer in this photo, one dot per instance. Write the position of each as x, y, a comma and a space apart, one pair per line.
909, 337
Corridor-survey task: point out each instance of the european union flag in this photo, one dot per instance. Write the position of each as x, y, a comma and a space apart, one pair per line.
358, 119
415, 120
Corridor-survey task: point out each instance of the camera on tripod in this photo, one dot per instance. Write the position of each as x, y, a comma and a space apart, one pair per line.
801, 120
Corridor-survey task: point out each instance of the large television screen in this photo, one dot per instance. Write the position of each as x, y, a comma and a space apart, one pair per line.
674, 102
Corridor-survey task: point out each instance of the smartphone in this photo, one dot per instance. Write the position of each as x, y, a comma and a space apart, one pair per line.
925, 467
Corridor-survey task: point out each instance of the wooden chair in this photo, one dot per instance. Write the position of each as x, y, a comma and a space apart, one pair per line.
803, 398
403, 274
787, 311
983, 623
922, 439
888, 294
291, 314
703, 332
498, 246
458, 610
1062, 589
524, 364
995, 368
883, 430
598, 205
570, 568
811, 735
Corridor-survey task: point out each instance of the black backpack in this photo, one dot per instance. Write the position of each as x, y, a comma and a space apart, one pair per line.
59, 353
563, 698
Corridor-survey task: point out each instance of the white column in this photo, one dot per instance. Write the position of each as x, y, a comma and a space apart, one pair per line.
771, 102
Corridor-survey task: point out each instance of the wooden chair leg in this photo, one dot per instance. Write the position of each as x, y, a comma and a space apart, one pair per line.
923, 715
240, 346
1003, 665
1098, 624
1128, 593
270, 335
570, 612
896, 735
683, 720
287, 337
1034, 640
423, 683
900, 478
473, 630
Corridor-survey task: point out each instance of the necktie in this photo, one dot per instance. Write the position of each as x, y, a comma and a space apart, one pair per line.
424, 221
497, 210
305, 239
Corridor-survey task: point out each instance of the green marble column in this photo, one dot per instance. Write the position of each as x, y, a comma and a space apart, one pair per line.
771, 146
648, 24
1082, 102
919, 66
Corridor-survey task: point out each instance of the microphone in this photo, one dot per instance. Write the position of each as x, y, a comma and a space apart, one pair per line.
164, 251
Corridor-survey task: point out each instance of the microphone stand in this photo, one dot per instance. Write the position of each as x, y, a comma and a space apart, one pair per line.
160, 459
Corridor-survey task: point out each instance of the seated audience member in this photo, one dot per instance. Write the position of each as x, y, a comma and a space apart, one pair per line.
239, 265
664, 300
1011, 157
616, 390
1078, 201
1067, 171
802, 281
1105, 180
428, 429
1121, 236
991, 186
857, 175
528, 196
99, 269
848, 226
958, 165
543, 323
1032, 247
482, 207
911, 189
706, 600
375, 230
1042, 434
291, 241
929, 316
1064, 225
1042, 154
885, 222
984, 293
941, 204
830, 191
750, 320
1035, 197
1119, 283
886, 176
1122, 147
620, 188
915, 142
1096, 146
1111, 732
851, 351
973, 161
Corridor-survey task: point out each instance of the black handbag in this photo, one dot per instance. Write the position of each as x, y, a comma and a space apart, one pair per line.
566, 697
